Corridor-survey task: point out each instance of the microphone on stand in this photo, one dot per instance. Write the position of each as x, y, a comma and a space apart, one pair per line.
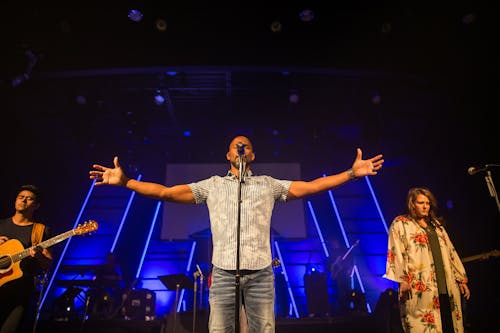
474, 169
241, 148
242, 159
199, 271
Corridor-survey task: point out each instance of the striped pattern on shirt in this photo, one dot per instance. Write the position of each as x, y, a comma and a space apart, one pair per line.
258, 196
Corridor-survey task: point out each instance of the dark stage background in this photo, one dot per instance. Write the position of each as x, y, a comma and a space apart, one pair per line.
409, 81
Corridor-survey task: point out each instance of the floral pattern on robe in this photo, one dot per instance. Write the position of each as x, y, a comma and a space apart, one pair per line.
409, 259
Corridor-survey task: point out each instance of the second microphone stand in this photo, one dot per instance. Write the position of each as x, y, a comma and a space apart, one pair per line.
491, 188
241, 176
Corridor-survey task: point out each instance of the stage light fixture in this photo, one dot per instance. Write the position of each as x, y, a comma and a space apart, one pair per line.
161, 25
306, 15
276, 26
81, 100
294, 96
159, 99
376, 99
135, 15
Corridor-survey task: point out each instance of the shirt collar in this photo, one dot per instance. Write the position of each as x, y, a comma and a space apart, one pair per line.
231, 175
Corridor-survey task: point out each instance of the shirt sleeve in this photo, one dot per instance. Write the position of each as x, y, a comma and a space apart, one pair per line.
280, 189
201, 189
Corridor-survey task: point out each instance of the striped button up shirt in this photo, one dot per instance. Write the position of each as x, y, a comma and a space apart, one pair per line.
258, 196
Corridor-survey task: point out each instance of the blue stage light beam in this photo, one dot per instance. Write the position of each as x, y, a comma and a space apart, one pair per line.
320, 234
124, 217
292, 298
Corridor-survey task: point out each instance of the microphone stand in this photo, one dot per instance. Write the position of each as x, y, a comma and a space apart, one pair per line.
241, 176
41, 281
201, 285
196, 275
491, 188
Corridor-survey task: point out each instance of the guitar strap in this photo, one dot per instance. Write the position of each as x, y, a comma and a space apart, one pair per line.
37, 233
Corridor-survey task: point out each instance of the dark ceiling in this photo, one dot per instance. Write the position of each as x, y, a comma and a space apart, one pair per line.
378, 35
407, 79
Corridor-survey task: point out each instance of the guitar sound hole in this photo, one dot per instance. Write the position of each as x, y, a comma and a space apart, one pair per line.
5, 262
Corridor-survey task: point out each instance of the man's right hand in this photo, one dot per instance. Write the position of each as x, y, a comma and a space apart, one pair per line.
111, 176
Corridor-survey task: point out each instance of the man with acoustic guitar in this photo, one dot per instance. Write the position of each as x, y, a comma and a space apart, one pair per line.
17, 281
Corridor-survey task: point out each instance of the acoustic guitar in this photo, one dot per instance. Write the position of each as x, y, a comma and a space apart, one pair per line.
12, 251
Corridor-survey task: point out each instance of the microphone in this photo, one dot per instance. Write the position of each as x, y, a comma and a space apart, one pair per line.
474, 169
241, 148
199, 270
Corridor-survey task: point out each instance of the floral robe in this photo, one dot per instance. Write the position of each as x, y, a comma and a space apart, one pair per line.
409, 258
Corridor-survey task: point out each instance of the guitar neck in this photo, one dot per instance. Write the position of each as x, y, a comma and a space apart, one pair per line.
482, 256
45, 244
350, 249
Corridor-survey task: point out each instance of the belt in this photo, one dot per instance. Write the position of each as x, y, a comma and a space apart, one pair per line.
242, 271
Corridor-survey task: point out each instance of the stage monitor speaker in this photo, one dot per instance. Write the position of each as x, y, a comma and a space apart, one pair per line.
139, 304
317, 294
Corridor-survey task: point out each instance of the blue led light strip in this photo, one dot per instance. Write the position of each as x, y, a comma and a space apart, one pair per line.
362, 287
122, 222
146, 244
66, 245
282, 263
376, 204
188, 268
341, 225
320, 234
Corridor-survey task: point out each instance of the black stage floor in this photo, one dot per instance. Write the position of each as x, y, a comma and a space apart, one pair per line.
352, 324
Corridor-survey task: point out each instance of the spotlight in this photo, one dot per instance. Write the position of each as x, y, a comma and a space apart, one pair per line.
158, 98
376, 98
19, 79
293, 97
161, 25
306, 15
81, 100
135, 15
276, 26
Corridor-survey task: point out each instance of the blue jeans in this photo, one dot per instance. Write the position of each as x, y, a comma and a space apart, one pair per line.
257, 290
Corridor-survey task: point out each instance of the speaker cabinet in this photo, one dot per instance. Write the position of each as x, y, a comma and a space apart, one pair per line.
317, 294
139, 304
